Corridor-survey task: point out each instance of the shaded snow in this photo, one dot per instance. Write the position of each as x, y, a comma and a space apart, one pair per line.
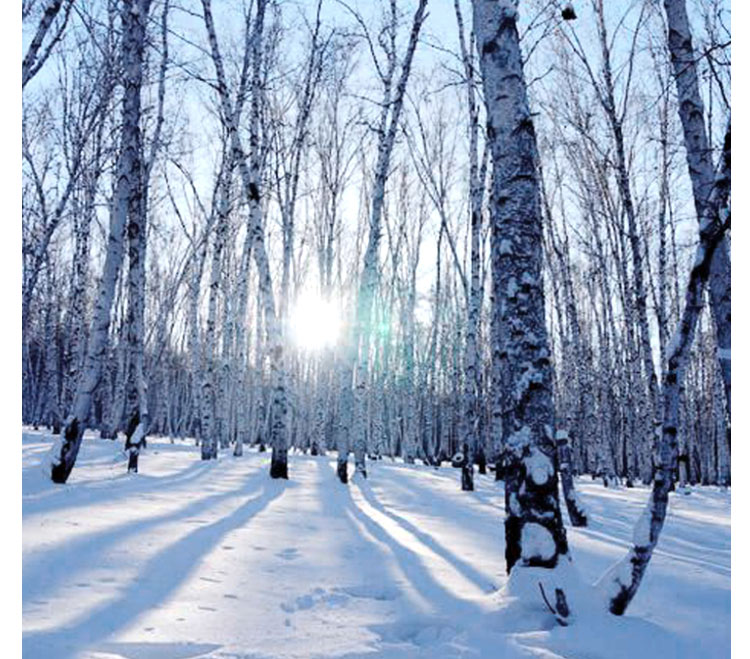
213, 559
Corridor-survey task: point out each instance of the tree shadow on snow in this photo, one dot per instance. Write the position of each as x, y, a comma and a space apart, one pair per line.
467, 570
158, 579
46, 569
42, 496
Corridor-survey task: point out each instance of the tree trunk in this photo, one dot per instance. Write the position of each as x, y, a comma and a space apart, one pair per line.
621, 582
534, 531
701, 172
134, 15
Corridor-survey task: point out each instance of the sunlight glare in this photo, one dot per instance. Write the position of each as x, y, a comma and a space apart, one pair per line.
315, 323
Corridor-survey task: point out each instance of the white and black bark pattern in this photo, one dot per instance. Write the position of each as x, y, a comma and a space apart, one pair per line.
534, 531
389, 122
701, 171
138, 415
137, 231
34, 60
576, 512
251, 180
209, 436
134, 15
78, 292
470, 418
621, 582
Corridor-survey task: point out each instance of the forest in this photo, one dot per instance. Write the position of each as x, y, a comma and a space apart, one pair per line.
480, 247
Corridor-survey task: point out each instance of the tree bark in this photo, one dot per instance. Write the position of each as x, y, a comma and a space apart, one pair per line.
134, 14
534, 531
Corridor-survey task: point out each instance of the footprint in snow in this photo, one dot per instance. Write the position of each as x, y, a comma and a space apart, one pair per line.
373, 592
289, 554
317, 597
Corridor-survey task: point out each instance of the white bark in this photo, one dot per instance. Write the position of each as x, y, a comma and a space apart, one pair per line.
531, 484
134, 15
388, 125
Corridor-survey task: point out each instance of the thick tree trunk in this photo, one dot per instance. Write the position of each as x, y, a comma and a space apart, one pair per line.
534, 531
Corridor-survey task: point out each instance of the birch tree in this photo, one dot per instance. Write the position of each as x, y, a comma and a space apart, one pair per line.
252, 184
534, 532
391, 104
621, 582
134, 15
35, 57
700, 167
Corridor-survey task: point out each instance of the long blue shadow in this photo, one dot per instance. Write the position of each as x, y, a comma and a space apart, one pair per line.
467, 570
45, 570
160, 577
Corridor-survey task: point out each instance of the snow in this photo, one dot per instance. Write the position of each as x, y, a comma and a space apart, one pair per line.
214, 559
642, 530
539, 466
536, 541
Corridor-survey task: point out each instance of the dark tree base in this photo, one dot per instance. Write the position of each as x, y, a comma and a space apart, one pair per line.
342, 472
73, 437
279, 469
467, 479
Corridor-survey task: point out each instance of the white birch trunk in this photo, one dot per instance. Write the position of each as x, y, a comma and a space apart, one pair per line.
621, 582
701, 172
534, 532
134, 16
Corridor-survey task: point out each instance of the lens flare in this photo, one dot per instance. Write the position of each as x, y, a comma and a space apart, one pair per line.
315, 323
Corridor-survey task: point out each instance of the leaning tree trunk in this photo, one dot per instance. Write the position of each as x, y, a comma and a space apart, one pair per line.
534, 531
701, 172
621, 582
134, 15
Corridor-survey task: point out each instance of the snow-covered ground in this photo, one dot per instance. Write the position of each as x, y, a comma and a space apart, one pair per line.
194, 559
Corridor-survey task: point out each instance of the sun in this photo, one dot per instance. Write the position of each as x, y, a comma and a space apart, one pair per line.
314, 322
